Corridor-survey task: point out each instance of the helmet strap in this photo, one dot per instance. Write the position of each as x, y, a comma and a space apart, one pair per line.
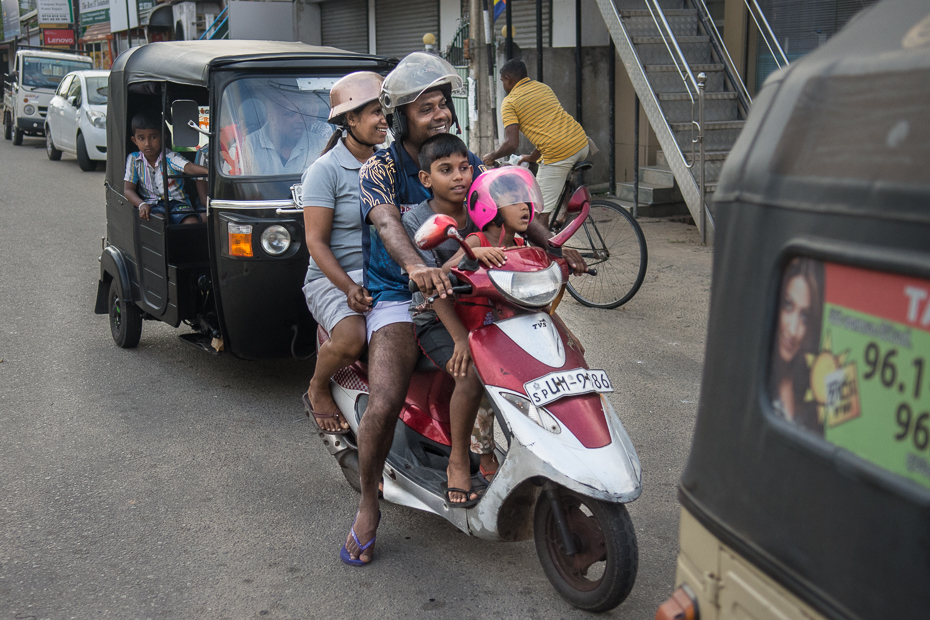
347, 129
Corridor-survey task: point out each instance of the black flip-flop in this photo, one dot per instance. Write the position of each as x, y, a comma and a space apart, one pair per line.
468, 503
316, 415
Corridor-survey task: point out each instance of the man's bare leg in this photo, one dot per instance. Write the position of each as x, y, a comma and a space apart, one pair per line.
392, 356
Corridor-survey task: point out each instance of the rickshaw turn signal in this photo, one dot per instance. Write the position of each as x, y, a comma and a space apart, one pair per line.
240, 239
681, 605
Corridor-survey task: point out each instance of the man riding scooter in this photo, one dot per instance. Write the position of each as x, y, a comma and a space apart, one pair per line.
416, 98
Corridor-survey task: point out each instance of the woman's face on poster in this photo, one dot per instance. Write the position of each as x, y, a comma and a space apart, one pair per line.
793, 317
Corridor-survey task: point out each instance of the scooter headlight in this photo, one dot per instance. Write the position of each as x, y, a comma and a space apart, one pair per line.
536, 414
532, 289
276, 240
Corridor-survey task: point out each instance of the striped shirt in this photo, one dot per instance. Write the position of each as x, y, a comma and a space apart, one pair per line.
149, 179
534, 107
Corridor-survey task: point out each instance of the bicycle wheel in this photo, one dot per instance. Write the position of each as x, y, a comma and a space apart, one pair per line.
612, 242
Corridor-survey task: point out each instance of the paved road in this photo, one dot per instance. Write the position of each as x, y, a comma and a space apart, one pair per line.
162, 482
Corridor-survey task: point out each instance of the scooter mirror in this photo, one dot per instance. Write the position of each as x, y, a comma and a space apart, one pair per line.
581, 196
435, 231
182, 112
572, 227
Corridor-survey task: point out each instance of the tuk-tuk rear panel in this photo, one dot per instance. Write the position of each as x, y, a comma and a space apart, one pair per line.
848, 537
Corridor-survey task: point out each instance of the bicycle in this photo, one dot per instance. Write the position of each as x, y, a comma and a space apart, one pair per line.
610, 241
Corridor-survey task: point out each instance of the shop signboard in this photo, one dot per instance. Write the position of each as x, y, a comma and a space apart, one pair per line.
58, 36
10, 19
94, 12
55, 11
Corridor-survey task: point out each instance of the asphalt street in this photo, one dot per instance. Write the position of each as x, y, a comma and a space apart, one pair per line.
163, 482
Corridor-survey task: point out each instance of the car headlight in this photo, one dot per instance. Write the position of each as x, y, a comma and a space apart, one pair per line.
97, 119
533, 289
276, 239
29, 110
536, 414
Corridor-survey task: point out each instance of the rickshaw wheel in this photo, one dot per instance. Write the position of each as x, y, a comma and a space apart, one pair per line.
125, 317
601, 574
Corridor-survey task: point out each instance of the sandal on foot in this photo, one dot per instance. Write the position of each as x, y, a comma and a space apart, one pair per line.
486, 475
346, 557
468, 503
316, 415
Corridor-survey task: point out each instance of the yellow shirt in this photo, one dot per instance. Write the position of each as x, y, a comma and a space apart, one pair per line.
542, 119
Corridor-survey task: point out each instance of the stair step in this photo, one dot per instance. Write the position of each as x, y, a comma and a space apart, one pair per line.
656, 175
681, 40
667, 5
719, 96
713, 163
665, 81
668, 12
649, 194
710, 126
639, 23
694, 68
717, 107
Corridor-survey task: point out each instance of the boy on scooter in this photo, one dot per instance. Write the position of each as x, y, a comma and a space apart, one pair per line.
446, 171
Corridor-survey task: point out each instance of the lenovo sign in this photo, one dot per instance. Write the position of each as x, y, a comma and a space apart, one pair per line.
59, 37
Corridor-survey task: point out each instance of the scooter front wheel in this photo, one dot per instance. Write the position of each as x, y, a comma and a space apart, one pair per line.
600, 574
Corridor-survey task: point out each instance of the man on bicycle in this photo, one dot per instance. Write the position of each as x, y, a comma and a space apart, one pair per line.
532, 107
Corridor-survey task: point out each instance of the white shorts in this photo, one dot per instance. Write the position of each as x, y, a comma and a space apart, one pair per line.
551, 178
385, 313
327, 303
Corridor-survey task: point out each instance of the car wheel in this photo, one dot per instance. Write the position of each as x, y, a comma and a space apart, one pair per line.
84, 161
7, 127
50, 150
17, 136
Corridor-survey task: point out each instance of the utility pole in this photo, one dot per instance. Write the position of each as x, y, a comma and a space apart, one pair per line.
482, 136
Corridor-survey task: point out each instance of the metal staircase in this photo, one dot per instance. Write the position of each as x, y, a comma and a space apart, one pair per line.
690, 91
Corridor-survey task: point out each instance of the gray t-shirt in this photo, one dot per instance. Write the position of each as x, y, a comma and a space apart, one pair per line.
437, 257
332, 182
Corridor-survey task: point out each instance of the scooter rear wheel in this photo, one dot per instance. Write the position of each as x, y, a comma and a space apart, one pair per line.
601, 574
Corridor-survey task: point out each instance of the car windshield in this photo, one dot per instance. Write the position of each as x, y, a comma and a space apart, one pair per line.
273, 126
97, 90
48, 72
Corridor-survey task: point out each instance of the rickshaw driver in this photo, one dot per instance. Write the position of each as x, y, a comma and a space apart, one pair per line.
415, 98
288, 141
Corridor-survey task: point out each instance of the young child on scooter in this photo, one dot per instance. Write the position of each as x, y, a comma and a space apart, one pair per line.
446, 172
513, 215
143, 182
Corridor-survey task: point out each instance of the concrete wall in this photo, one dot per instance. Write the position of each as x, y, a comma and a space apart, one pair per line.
307, 22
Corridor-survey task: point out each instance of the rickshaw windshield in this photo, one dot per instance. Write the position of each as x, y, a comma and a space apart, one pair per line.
273, 126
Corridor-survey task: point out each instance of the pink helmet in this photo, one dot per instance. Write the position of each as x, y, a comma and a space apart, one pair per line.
501, 187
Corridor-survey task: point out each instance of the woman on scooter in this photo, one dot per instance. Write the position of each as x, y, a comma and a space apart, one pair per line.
330, 194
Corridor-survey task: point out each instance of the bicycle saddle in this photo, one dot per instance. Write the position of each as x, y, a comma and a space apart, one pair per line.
581, 166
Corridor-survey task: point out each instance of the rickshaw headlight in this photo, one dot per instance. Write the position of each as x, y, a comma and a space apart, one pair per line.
29, 110
276, 240
240, 239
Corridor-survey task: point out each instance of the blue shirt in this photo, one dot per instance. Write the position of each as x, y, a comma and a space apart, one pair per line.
381, 184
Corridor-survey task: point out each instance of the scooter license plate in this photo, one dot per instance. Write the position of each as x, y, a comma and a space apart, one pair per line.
556, 385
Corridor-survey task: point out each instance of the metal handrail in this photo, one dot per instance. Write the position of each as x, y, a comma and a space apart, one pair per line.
717, 39
218, 23
683, 67
771, 35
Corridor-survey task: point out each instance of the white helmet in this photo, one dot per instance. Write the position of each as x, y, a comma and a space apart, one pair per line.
414, 75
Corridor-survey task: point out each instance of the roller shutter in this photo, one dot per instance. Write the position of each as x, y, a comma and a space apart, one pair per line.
344, 24
523, 16
401, 24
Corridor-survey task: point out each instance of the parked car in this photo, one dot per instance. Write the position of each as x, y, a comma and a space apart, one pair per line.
76, 122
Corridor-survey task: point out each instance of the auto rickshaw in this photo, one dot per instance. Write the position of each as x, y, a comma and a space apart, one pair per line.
807, 490
235, 279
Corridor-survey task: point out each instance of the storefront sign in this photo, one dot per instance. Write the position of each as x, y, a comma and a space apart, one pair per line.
94, 12
55, 11
10, 19
58, 37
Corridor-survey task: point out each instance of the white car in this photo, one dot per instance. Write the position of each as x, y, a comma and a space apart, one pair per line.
76, 122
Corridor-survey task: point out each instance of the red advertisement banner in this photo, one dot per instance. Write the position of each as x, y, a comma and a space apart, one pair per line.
58, 36
892, 297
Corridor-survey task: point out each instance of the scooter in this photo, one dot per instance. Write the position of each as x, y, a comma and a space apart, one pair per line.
567, 464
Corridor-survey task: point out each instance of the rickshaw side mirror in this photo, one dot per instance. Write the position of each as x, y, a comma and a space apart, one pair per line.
183, 112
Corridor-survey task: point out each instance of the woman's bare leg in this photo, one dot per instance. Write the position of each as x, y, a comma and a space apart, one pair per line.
344, 347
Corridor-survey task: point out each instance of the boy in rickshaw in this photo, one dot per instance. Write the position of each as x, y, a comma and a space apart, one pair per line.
144, 183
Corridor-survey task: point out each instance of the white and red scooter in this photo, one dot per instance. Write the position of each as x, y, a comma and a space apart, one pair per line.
567, 464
